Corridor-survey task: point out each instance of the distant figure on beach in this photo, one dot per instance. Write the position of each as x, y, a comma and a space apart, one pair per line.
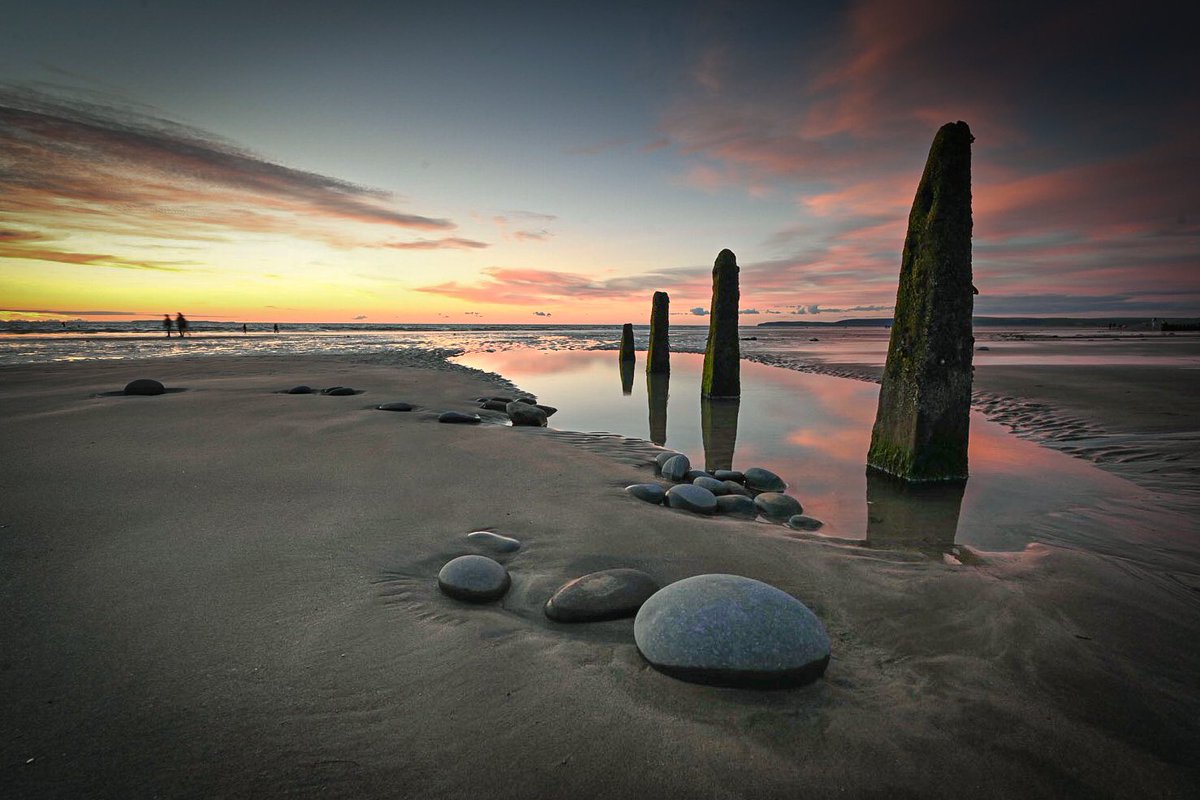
244, 328
167, 324
181, 323
277, 327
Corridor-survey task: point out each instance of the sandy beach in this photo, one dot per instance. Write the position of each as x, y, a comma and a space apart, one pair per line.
231, 592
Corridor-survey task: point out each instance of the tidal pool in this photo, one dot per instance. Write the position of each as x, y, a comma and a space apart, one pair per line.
814, 430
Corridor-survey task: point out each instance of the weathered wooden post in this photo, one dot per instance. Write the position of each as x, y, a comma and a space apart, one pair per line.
922, 425
658, 353
721, 356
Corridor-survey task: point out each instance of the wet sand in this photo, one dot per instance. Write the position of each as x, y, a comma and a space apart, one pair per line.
231, 592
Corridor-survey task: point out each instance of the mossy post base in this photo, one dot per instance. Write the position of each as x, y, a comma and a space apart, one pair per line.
922, 425
722, 378
658, 353
627, 353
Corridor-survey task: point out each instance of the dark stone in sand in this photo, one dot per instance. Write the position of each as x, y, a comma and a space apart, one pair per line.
459, 418
528, 400
550, 410
692, 474
658, 353
692, 498
804, 523
763, 480
525, 414
663, 458
729, 475
338, 391
495, 542
397, 406
144, 386
736, 504
676, 468
712, 484
495, 405
733, 487
608, 594
922, 422
476, 579
722, 356
778, 506
300, 390
650, 492
726, 630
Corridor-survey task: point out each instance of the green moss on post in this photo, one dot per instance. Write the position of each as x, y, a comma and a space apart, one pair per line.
658, 353
922, 425
721, 357
627, 342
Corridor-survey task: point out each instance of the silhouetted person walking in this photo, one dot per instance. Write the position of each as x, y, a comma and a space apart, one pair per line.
167, 324
277, 327
244, 328
181, 323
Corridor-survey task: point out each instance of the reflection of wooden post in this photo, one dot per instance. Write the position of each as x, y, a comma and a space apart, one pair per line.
658, 353
922, 425
627, 342
626, 376
912, 516
721, 356
718, 422
658, 386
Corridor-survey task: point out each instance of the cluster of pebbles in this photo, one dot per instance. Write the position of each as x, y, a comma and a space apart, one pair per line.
757, 492
723, 630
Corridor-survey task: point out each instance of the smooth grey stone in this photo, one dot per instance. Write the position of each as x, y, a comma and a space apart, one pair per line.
528, 400
525, 414
736, 504
777, 505
650, 492
692, 498
804, 523
733, 487
457, 417
495, 542
764, 480
550, 410
338, 391
712, 484
300, 390
608, 594
726, 630
676, 468
476, 579
663, 458
730, 475
144, 386
692, 474
494, 405
397, 406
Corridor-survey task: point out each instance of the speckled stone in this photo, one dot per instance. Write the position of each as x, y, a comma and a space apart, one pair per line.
778, 506
736, 504
764, 480
692, 498
397, 406
144, 386
676, 468
608, 594
730, 475
476, 579
650, 492
459, 418
804, 523
727, 630
497, 543
712, 484
300, 390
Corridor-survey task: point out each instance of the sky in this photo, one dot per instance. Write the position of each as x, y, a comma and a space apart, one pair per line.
559, 162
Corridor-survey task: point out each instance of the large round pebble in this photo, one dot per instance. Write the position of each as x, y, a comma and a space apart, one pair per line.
476, 579
727, 630
459, 418
733, 487
764, 480
676, 468
144, 386
712, 484
397, 406
650, 492
778, 506
729, 475
497, 543
736, 504
804, 523
608, 594
692, 498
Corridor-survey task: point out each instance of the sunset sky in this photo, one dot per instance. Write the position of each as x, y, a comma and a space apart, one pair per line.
559, 162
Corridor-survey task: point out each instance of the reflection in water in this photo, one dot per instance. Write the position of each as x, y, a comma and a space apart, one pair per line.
657, 391
718, 423
912, 516
626, 376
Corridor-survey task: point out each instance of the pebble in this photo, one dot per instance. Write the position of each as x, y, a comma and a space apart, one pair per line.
397, 406
733, 487
778, 506
764, 480
804, 523
736, 504
712, 484
300, 390
608, 594
525, 414
144, 386
692, 474
730, 475
494, 405
650, 492
550, 410
727, 630
692, 498
661, 459
338, 391
476, 579
457, 417
497, 543
676, 468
